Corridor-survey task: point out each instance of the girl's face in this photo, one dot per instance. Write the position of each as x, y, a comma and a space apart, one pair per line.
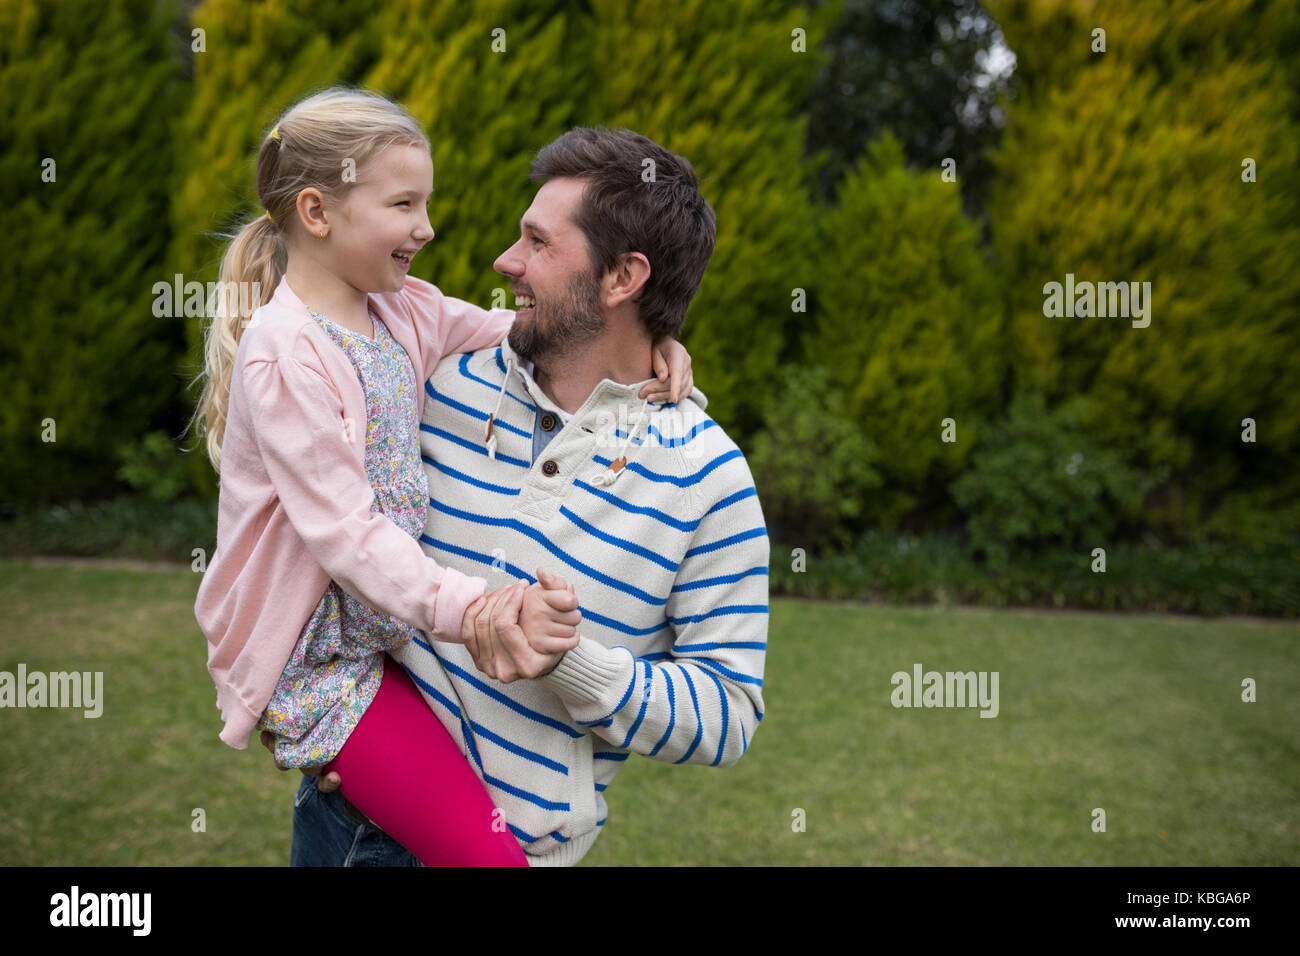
384, 220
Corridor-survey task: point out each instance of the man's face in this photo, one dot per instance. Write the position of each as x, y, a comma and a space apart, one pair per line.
557, 291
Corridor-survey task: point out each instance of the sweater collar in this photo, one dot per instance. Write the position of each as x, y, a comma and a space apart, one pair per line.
607, 395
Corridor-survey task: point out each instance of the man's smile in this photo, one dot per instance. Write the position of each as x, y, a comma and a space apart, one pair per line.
524, 302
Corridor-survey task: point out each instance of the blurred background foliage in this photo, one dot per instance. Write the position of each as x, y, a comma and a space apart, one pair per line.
858, 298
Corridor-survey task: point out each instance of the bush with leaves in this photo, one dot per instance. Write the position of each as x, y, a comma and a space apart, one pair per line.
812, 464
90, 89
1038, 481
154, 467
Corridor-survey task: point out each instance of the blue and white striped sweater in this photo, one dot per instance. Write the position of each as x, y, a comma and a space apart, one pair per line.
670, 565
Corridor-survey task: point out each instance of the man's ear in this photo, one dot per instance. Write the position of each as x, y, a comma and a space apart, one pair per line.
626, 279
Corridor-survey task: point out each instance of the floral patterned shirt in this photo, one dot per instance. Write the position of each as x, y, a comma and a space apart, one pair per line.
334, 671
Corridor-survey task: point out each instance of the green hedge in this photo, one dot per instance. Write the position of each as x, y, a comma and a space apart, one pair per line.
1210, 578
90, 90
1127, 166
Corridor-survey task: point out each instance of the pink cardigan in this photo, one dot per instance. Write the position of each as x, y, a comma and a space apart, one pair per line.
294, 510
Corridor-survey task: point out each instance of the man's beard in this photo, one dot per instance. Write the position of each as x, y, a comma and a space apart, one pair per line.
562, 325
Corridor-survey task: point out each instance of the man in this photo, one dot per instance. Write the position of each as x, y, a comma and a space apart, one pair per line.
540, 455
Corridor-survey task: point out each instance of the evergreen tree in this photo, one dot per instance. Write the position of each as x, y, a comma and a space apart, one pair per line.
908, 323
493, 84
927, 71
1129, 165
90, 90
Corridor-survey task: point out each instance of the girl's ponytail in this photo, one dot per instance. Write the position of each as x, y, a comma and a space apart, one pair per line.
250, 271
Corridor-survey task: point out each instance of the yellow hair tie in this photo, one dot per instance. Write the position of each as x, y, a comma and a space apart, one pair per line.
268, 216
275, 134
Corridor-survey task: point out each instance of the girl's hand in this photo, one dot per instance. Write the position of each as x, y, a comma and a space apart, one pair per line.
550, 615
326, 784
672, 366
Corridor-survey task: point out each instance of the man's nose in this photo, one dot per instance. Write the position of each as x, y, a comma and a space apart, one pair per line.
509, 262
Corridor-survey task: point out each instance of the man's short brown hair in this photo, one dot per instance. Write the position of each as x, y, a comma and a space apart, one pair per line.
630, 205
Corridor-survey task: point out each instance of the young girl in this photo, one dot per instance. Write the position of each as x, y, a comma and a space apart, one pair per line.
311, 411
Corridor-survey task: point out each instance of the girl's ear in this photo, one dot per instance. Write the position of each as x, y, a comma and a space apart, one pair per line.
311, 212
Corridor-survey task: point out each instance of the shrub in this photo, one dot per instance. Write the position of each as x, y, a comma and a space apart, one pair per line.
1036, 480
812, 464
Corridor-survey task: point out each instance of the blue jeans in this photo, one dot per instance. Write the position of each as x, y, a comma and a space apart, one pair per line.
323, 835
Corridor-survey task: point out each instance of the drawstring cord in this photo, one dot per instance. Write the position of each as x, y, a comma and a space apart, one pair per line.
615, 468
490, 438
603, 479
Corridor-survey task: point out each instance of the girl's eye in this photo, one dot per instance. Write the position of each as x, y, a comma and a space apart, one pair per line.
404, 202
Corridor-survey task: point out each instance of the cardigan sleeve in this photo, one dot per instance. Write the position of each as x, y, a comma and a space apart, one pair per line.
443, 324
303, 439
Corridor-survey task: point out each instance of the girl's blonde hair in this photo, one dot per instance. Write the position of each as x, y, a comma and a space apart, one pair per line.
316, 143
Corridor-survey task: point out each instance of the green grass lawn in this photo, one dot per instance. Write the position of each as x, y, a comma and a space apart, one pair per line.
1139, 715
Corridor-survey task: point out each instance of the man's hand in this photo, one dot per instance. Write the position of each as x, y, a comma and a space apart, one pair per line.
483, 610
507, 651
326, 784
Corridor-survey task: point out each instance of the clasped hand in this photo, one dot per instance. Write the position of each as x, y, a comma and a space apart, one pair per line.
522, 632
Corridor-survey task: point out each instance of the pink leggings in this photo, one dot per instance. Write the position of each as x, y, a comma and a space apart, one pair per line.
401, 768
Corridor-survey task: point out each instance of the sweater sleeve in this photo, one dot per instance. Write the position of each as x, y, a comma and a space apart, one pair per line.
301, 435
701, 701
